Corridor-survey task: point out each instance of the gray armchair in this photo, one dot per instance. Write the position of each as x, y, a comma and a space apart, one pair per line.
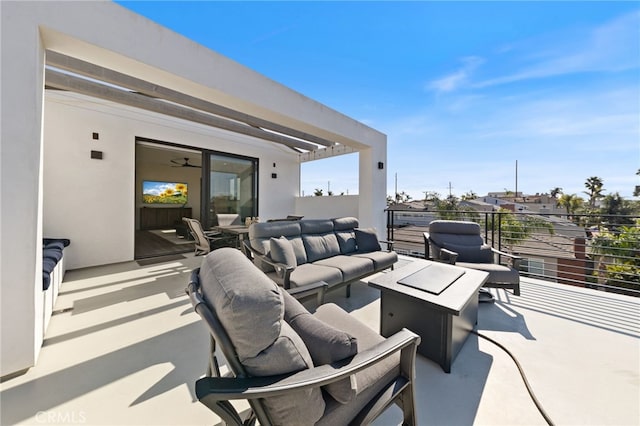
460, 243
291, 366
204, 240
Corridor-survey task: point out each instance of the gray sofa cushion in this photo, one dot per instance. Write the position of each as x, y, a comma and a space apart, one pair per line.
343, 227
320, 246
251, 309
345, 223
298, 249
310, 273
281, 251
326, 344
367, 240
351, 267
381, 259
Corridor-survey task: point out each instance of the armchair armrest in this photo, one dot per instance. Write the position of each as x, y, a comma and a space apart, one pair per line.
448, 256
317, 289
212, 389
515, 260
286, 270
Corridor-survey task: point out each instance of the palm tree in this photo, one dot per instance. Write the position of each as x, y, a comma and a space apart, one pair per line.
570, 201
594, 186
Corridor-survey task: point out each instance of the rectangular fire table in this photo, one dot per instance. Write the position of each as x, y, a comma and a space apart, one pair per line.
435, 300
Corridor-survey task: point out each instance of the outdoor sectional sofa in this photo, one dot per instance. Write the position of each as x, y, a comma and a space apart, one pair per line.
302, 253
53, 269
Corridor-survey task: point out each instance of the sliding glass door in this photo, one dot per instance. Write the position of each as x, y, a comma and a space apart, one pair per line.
232, 186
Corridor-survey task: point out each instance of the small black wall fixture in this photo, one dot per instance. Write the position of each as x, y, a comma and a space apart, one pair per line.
380, 165
274, 175
97, 155
95, 136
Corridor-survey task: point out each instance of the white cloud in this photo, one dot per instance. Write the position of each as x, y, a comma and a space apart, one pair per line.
457, 79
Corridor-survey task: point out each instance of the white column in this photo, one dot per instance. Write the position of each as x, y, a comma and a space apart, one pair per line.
20, 190
373, 187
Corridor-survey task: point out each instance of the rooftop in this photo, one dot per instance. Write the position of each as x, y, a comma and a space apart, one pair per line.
125, 348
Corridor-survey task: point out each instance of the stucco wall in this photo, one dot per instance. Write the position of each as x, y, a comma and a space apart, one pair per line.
327, 207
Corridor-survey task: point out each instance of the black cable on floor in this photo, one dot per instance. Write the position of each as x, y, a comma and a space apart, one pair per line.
524, 377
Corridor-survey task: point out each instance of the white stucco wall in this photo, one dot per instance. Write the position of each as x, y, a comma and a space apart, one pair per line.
328, 207
95, 203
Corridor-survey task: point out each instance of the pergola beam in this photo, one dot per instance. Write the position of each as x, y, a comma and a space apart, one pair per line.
96, 72
71, 83
320, 153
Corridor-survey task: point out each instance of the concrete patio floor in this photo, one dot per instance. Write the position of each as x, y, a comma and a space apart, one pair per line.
126, 348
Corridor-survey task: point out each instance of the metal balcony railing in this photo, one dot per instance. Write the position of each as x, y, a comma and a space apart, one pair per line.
595, 251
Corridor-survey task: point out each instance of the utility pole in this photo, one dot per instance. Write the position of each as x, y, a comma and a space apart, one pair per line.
450, 195
516, 194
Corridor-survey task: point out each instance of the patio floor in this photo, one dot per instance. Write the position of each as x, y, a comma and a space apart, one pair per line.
131, 348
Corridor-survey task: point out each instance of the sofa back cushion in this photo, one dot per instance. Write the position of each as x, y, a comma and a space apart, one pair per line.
320, 246
345, 223
316, 226
250, 307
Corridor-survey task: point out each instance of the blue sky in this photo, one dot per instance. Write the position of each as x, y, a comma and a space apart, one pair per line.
462, 90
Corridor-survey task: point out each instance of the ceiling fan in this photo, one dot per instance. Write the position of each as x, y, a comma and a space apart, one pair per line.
183, 162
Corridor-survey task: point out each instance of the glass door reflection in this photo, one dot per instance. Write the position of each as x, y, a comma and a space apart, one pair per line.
232, 187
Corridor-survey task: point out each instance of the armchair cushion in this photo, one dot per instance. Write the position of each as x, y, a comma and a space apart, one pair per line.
471, 254
367, 240
262, 340
325, 343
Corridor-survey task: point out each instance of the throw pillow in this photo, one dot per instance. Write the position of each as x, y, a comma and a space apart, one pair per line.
367, 240
325, 344
281, 251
